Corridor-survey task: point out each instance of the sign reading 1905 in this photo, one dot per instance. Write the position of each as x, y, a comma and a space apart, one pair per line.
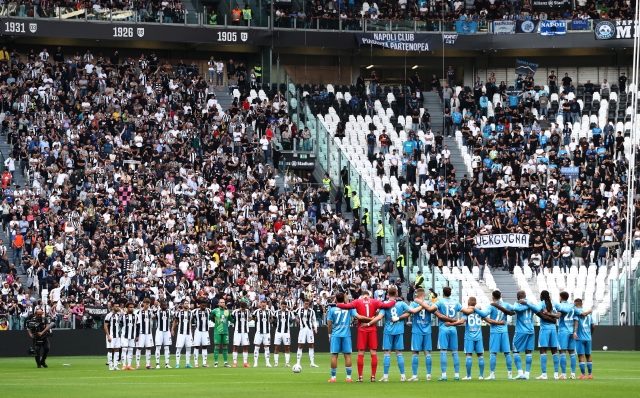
232, 36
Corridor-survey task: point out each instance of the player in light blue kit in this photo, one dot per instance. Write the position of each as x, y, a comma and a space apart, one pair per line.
548, 335
524, 338
565, 335
472, 317
499, 336
339, 324
582, 330
447, 334
421, 332
393, 336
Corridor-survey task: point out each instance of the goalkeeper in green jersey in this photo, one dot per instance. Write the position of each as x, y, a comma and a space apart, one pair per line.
221, 317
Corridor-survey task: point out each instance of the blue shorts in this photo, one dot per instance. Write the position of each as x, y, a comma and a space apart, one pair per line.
448, 340
420, 342
473, 346
523, 342
548, 338
566, 342
393, 342
340, 345
499, 342
583, 347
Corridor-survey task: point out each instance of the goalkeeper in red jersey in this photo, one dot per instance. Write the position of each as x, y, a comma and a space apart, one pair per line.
367, 334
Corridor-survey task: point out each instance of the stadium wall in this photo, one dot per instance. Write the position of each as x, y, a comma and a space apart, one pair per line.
92, 342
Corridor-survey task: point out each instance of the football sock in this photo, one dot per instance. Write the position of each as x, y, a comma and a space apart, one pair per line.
582, 367
443, 361
543, 363
138, 353
286, 357
216, 353
528, 362
481, 366
256, 354
158, 348
429, 363
333, 373
205, 353
456, 362
167, 354
178, 356
116, 357
235, 357
387, 364
225, 354
245, 356
509, 361
563, 362
349, 372
311, 354
188, 354
267, 355
468, 363
572, 357
276, 357
374, 364
196, 352
556, 360
130, 356
589, 367
110, 358
492, 362
400, 363
518, 361
147, 356
299, 355
360, 364
414, 364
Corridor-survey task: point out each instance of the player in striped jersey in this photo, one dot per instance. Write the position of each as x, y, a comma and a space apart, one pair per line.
163, 333
111, 328
182, 320
145, 339
283, 319
241, 333
262, 317
201, 334
129, 332
306, 318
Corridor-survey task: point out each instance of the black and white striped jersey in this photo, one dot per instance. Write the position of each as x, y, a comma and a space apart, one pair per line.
263, 321
164, 319
129, 326
113, 324
283, 320
144, 321
242, 320
184, 318
307, 318
202, 319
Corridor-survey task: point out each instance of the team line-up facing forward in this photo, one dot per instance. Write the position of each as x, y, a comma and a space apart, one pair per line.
565, 328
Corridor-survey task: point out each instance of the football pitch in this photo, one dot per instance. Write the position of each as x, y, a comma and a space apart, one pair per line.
615, 373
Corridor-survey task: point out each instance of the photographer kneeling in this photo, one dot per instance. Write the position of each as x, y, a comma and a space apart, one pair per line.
39, 326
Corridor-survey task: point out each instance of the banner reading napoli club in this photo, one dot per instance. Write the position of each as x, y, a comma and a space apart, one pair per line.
466, 27
553, 28
396, 41
618, 29
504, 27
526, 26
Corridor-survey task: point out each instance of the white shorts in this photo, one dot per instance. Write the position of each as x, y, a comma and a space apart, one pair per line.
240, 339
262, 338
163, 338
114, 343
145, 341
184, 340
305, 336
127, 343
282, 338
200, 338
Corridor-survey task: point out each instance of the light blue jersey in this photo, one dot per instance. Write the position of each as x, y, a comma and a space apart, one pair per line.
449, 308
497, 315
341, 320
398, 309
524, 318
473, 326
544, 325
421, 320
584, 326
567, 315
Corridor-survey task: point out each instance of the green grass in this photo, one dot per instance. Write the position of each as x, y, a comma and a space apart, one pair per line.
616, 374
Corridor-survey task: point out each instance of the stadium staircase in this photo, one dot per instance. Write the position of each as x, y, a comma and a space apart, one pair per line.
192, 11
506, 284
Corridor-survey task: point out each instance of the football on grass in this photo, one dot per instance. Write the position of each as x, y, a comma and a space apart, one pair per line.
296, 368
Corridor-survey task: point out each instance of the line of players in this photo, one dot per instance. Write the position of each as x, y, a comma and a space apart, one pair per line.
128, 332
573, 334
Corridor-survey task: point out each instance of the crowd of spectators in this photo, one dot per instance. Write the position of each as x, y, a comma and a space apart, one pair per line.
141, 185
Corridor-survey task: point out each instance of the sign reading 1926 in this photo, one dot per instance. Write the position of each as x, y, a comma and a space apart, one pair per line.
127, 32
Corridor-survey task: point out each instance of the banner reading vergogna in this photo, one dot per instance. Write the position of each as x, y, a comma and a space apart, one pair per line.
502, 240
